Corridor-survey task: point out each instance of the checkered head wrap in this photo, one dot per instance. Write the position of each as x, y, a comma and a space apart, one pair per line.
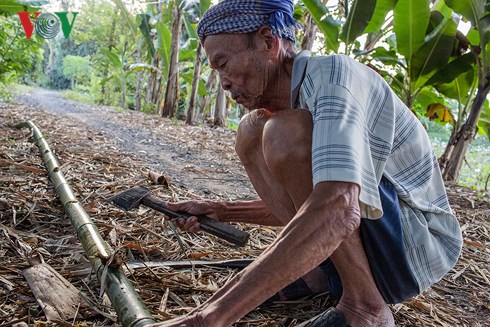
244, 16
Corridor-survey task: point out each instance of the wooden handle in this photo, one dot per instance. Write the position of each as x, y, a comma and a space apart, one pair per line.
209, 225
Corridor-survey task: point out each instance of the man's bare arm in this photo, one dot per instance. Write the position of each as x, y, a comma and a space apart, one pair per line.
330, 214
250, 212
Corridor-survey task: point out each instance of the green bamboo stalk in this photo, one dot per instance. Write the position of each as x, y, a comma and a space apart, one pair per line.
129, 307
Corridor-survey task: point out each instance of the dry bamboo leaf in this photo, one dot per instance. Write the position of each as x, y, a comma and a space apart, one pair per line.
162, 307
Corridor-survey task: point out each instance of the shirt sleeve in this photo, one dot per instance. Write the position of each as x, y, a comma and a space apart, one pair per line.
341, 144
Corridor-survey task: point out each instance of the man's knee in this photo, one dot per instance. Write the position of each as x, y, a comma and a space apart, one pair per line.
249, 134
287, 139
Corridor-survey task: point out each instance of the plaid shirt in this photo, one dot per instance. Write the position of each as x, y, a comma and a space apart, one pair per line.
362, 131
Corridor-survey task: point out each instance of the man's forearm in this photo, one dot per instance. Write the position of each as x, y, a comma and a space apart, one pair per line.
312, 236
250, 212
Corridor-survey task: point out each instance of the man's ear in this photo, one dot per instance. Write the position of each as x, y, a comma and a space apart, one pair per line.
270, 42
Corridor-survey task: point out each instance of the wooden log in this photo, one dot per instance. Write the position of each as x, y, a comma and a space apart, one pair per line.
58, 298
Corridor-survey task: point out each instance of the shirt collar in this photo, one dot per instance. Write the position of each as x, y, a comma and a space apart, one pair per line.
299, 69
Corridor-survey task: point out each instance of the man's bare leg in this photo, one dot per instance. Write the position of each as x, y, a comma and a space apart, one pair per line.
250, 149
280, 170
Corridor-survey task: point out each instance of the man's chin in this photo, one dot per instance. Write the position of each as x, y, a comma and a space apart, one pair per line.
250, 104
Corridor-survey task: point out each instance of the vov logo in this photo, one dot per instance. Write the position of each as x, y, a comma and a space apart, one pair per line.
47, 25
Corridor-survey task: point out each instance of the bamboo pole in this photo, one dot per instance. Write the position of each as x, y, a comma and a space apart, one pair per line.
129, 307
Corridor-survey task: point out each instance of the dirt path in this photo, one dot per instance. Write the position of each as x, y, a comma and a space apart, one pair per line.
172, 154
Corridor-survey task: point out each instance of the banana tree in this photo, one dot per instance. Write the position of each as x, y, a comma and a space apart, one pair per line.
476, 12
170, 103
196, 80
426, 51
116, 60
424, 37
327, 24
131, 22
158, 38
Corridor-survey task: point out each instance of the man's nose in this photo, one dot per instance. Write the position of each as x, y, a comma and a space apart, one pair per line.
225, 83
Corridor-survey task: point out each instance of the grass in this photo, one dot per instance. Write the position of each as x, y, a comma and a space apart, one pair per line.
80, 97
9, 91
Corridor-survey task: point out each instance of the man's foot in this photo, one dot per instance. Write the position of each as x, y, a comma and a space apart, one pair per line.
366, 316
312, 283
331, 318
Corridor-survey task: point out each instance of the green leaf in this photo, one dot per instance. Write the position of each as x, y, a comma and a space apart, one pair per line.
459, 88
164, 43
327, 25
387, 57
113, 58
33, 3
473, 36
427, 96
472, 10
204, 5
379, 15
484, 121
441, 7
201, 89
127, 17
144, 26
107, 79
434, 53
191, 32
187, 54
411, 18
453, 69
359, 16
11, 7
143, 67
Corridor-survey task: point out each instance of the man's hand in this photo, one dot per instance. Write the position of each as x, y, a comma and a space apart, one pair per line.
208, 208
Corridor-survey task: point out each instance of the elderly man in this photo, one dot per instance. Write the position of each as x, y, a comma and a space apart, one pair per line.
337, 159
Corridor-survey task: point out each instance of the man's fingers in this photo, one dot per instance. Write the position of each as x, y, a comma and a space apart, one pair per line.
179, 206
190, 225
192, 207
194, 228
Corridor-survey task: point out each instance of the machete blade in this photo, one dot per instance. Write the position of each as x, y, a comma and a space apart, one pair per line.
129, 199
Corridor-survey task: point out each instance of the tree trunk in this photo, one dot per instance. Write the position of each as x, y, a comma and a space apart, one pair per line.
310, 33
453, 157
210, 87
139, 76
123, 91
220, 108
105, 72
154, 84
195, 86
171, 101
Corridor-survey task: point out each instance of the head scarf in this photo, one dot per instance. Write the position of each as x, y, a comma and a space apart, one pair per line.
244, 16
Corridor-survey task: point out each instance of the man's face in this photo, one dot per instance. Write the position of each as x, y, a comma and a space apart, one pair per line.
241, 69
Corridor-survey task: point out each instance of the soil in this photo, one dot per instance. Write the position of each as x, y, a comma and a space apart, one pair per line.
104, 151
